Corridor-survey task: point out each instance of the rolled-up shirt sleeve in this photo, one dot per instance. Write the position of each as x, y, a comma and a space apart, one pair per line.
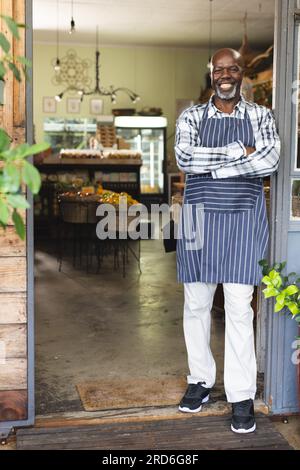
191, 157
264, 161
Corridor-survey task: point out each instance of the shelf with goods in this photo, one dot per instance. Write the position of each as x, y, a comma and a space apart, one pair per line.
58, 175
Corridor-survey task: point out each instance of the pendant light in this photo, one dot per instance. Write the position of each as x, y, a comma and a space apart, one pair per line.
98, 89
57, 61
72, 23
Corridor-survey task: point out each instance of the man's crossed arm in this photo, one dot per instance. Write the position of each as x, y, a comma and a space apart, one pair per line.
233, 159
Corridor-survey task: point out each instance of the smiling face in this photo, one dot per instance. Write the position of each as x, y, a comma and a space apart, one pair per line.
227, 74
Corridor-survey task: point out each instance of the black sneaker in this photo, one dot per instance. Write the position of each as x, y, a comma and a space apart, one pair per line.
193, 398
243, 420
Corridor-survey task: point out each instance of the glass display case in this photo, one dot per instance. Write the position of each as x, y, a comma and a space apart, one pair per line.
69, 133
147, 135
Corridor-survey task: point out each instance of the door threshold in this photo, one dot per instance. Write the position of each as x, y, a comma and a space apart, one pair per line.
87, 418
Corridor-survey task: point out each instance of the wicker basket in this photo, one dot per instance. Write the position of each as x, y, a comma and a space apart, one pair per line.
75, 211
78, 212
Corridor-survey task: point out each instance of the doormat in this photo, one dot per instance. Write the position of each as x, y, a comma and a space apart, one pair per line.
136, 392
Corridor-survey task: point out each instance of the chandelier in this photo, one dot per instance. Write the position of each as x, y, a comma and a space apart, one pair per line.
98, 89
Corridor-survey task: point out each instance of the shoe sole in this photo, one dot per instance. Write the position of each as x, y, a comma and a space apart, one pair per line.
243, 431
185, 409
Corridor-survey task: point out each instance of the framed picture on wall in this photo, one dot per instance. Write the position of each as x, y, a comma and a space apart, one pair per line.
73, 105
96, 106
49, 104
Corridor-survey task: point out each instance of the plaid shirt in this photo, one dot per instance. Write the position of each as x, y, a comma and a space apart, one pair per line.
230, 160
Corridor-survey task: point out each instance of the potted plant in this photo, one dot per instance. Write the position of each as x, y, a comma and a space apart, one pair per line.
286, 290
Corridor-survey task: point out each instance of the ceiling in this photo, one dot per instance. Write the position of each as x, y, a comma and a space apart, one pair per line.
172, 23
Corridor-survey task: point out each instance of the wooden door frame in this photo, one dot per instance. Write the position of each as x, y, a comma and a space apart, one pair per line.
7, 426
274, 343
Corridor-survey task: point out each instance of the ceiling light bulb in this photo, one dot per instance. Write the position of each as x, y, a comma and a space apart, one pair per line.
57, 65
59, 97
72, 29
80, 92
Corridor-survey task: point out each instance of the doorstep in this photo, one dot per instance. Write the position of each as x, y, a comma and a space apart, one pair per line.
87, 418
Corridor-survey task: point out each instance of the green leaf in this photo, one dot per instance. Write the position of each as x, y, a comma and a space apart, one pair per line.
4, 140
273, 274
270, 292
4, 212
275, 278
280, 299
2, 71
4, 43
31, 177
12, 177
15, 71
282, 265
25, 150
293, 307
10, 154
37, 148
263, 262
266, 280
12, 25
18, 201
292, 289
19, 224
24, 61
26, 74
278, 307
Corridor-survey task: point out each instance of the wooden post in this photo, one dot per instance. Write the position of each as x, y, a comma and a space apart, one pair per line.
13, 281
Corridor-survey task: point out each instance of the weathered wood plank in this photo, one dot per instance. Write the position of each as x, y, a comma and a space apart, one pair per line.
13, 375
13, 274
13, 405
14, 341
19, 87
13, 371
13, 308
8, 115
161, 434
10, 243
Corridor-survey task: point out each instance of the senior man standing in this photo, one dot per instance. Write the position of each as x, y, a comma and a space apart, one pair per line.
226, 147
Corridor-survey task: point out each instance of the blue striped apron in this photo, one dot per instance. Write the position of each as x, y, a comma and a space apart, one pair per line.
223, 230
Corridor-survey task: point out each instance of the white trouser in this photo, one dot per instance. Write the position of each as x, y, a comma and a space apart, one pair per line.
239, 361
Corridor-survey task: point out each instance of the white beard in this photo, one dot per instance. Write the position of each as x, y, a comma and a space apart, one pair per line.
226, 96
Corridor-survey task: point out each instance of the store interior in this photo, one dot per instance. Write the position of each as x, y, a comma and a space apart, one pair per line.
110, 78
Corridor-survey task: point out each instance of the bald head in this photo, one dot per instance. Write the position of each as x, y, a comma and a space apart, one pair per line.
226, 68
224, 53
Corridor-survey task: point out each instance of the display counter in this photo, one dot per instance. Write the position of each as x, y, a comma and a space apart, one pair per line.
59, 173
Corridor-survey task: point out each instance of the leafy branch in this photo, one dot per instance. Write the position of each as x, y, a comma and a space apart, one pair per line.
8, 61
285, 289
15, 169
